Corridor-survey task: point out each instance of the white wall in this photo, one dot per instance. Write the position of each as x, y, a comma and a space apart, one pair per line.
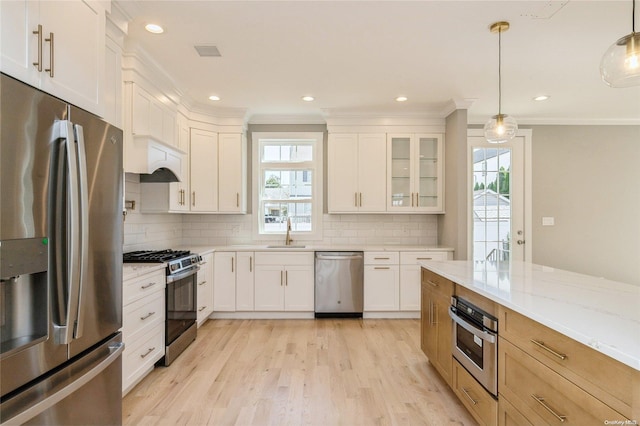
588, 179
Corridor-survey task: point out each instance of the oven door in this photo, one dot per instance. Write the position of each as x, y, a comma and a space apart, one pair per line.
181, 303
476, 350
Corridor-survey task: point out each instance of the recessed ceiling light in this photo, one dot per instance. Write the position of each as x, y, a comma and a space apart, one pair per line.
154, 28
401, 98
214, 98
308, 98
541, 98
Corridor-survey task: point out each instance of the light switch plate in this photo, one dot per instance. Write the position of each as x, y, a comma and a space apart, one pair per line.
548, 221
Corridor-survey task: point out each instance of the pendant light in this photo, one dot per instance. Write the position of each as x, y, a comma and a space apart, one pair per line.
500, 128
620, 65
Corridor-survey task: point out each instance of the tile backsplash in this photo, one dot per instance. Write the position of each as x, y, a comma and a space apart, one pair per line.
157, 231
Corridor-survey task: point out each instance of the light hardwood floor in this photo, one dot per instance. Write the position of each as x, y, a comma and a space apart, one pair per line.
298, 372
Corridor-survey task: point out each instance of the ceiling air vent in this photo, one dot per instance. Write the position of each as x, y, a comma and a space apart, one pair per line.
207, 51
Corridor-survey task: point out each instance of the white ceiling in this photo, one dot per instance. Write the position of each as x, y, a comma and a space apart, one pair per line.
358, 56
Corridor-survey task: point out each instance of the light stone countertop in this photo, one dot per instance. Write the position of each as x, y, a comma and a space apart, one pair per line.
313, 247
597, 312
133, 270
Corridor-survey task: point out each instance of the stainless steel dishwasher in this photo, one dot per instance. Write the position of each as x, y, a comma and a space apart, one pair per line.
339, 284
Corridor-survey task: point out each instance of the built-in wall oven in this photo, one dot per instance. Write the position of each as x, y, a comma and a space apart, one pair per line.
475, 342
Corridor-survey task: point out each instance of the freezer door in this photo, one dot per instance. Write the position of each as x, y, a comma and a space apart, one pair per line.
101, 221
86, 392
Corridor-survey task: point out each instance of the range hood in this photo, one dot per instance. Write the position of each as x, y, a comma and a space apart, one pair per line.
156, 162
160, 175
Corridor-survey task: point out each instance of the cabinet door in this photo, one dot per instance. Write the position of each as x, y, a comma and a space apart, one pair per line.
381, 288
443, 357
269, 288
399, 189
232, 172
427, 165
299, 290
18, 44
342, 172
76, 55
224, 282
410, 288
204, 171
244, 281
183, 133
372, 176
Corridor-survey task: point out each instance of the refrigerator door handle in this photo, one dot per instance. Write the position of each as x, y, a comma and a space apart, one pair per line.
64, 332
83, 203
115, 351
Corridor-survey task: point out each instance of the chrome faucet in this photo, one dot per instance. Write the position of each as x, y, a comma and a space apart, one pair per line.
288, 240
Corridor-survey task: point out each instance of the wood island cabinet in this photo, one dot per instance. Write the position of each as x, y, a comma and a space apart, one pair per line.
436, 326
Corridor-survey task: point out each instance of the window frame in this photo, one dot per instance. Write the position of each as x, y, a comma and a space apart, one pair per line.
316, 167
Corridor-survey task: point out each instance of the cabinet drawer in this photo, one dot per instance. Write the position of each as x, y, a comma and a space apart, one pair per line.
144, 285
439, 283
544, 396
473, 396
142, 314
508, 415
141, 356
284, 258
381, 258
611, 381
413, 257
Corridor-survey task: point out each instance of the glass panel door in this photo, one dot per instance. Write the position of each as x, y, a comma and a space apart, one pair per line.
428, 172
401, 172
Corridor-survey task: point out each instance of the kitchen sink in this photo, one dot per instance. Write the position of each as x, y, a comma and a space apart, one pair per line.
286, 247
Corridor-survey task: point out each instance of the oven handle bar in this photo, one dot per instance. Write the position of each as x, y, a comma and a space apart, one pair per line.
489, 337
184, 274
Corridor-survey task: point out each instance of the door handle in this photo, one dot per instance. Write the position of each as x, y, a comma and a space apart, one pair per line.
51, 51
38, 64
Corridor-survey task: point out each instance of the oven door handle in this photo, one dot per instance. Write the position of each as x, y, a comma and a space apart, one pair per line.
489, 337
181, 275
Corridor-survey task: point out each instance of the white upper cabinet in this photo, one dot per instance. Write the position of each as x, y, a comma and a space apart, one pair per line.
357, 173
204, 171
415, 173
58, 47
151, 119
232, 172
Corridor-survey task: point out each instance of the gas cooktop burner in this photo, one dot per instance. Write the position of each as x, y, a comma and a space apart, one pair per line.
151, 256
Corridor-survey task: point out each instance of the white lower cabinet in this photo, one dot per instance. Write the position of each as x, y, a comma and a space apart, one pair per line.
142, 322
245, 281
381, 281
205, 288
224, 281
285, 282
410, 276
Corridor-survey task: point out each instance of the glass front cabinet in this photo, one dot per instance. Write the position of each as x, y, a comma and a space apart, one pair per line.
415, 173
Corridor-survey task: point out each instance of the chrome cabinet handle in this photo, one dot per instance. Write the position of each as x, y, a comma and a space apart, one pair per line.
51, 60
286, 278
281, 277
361, 199
540, 401
193, 202
473, 401
424, 258
147, 316
38, 64
237, 199
232, 265
548, 349
355, 199
250, 263
148, 285
381, 267
417, 199
381, 258
148, 352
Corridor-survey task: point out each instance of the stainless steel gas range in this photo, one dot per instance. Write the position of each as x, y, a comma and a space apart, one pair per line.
180, 296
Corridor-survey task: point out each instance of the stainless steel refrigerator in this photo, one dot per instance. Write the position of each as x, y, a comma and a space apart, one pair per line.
60, 262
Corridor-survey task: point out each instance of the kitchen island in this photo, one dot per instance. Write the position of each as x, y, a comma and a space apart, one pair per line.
579, 334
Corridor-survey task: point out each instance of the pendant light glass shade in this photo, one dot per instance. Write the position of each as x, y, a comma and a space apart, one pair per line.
620, 65
501, 127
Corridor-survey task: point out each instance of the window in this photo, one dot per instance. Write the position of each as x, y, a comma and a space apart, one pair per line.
288, 167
